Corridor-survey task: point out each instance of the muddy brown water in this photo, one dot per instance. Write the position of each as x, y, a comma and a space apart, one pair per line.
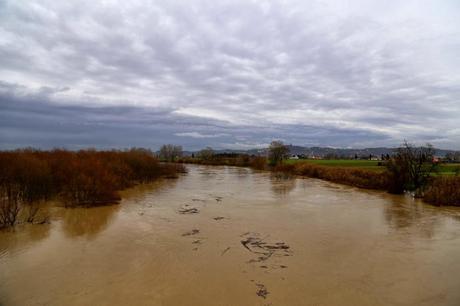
234, 236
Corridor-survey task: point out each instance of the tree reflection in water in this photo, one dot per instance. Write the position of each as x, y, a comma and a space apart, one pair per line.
87, 222
411, 215
282, 183
22, 236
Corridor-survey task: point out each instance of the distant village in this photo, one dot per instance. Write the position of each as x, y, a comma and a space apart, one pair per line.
327, 153
333, 156
448, 158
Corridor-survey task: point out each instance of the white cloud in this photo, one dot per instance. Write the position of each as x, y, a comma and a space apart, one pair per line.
199, 135
382, 71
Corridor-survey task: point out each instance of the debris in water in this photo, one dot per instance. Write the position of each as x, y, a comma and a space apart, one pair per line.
192, 232
254, 244
262, 291
186, 209
225, 251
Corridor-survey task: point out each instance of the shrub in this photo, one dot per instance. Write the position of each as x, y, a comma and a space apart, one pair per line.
410, 168
443, 190
353, 177
258, 162
86, 177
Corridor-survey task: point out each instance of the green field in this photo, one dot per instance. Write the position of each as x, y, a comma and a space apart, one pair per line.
449, 169
444, 169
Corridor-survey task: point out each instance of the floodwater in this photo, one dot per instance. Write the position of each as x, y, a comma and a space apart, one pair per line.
234, 236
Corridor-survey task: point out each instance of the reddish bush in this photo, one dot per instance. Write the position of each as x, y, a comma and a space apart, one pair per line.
90, 181
86, 177
258, 162
443, 190
353, 177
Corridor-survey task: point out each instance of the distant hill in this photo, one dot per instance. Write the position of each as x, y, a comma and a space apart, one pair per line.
324, 151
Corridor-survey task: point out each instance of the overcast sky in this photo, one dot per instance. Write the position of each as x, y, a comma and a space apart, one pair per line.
229, 74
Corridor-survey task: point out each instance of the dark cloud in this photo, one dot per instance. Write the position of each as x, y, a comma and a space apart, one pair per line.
228, 73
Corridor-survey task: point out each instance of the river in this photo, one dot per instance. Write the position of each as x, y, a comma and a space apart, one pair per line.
235, 236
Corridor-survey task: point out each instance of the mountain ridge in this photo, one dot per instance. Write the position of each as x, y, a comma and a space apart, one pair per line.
318, 151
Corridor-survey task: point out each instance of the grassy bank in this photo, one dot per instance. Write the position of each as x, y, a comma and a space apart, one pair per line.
82, 178
342, 163
441, 190
356, 177
444, 190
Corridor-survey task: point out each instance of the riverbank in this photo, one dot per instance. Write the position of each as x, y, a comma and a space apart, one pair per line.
441, 190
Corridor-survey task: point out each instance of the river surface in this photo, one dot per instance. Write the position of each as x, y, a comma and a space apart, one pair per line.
234, 236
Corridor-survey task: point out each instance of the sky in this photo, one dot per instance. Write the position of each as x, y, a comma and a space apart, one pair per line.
229, 74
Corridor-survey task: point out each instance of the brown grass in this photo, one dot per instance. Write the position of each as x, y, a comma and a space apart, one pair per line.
347, 176
443, 190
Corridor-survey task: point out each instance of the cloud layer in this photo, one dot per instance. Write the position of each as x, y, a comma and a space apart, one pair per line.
230, 74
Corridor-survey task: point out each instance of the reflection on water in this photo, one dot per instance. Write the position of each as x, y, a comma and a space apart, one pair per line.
140, 192
219, 236
23, 236
406, 213
403, 212
282, 184
87, 222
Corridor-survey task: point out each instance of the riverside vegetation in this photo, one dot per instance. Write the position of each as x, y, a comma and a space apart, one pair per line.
89, 178
82, 178
410, 169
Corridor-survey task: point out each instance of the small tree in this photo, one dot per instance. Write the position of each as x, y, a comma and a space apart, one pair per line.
170, 152
411, 168
277, 152
206, 154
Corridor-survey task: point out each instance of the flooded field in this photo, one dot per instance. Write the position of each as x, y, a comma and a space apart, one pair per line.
234, 236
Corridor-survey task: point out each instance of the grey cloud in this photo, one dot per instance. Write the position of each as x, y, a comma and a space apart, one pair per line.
308, 72
28, 120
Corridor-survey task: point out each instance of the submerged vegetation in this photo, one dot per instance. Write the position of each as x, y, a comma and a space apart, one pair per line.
83, 178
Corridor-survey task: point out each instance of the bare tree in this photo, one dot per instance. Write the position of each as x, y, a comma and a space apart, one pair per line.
206, 154
277, 152
10, 205
170, 152
411, 168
